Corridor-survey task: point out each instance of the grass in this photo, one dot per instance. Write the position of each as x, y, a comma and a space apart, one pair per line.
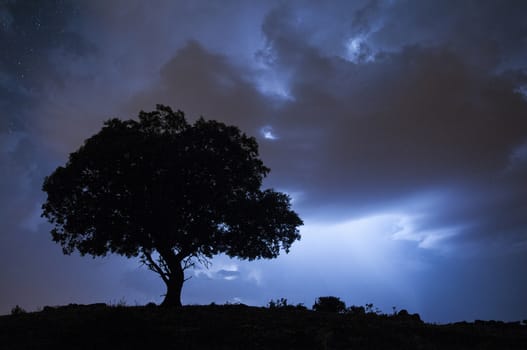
242, 327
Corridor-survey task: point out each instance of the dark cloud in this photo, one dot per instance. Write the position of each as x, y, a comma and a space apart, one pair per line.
203, 83
366, 135
29, 31
423, 118
487, 33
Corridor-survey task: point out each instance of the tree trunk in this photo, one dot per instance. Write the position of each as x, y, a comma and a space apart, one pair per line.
174, 284
173, 294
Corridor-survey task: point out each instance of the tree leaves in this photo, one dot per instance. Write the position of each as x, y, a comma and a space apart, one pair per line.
161, 184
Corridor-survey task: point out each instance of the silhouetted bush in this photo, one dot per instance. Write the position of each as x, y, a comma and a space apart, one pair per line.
277, 304
356, 310
329, 304
17, 310
370, 309
404, 315
300, 306
282, 304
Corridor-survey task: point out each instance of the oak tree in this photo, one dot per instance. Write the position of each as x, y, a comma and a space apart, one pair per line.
169, 192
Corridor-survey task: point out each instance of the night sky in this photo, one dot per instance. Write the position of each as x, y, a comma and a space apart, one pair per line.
399, 129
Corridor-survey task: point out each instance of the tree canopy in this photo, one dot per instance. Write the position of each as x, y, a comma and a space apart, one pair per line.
169, 192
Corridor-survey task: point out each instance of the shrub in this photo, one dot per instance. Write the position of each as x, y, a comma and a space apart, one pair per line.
300, 306
356, 310
277, 304
282, 304
405, 315
329, 304
119, 303
17, 310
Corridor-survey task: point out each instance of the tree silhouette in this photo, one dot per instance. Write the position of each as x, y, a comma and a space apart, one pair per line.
169, 192
329, 304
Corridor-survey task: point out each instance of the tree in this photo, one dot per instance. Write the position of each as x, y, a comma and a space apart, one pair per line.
169, 192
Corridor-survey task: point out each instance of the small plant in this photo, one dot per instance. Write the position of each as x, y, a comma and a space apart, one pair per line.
119, 303
17, 310
277, 304
356, 310
370, 309
329, 304
405, 315
282, 304
300, 306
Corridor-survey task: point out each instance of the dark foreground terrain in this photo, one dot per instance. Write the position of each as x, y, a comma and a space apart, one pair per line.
242, 327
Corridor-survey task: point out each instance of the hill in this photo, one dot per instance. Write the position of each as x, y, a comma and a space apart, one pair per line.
242, 327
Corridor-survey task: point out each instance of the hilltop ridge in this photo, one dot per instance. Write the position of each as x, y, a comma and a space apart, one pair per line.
238, 326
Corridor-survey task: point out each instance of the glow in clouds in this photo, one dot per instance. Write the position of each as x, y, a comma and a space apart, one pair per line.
269, 79
219, 270
374, 241
404, 229
362, 256
229, 269
358, 51
271, 85
378, 256
268, 133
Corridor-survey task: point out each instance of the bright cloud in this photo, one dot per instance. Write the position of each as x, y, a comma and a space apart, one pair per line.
268, 133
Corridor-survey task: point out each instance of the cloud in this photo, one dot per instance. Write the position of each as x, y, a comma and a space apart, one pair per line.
417, 120
362, 138
228, 274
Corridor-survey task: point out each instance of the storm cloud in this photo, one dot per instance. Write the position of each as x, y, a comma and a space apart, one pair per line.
399, 128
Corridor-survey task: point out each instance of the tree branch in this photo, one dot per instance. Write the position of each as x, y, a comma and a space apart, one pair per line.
188, 263
204, 261
151, 264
